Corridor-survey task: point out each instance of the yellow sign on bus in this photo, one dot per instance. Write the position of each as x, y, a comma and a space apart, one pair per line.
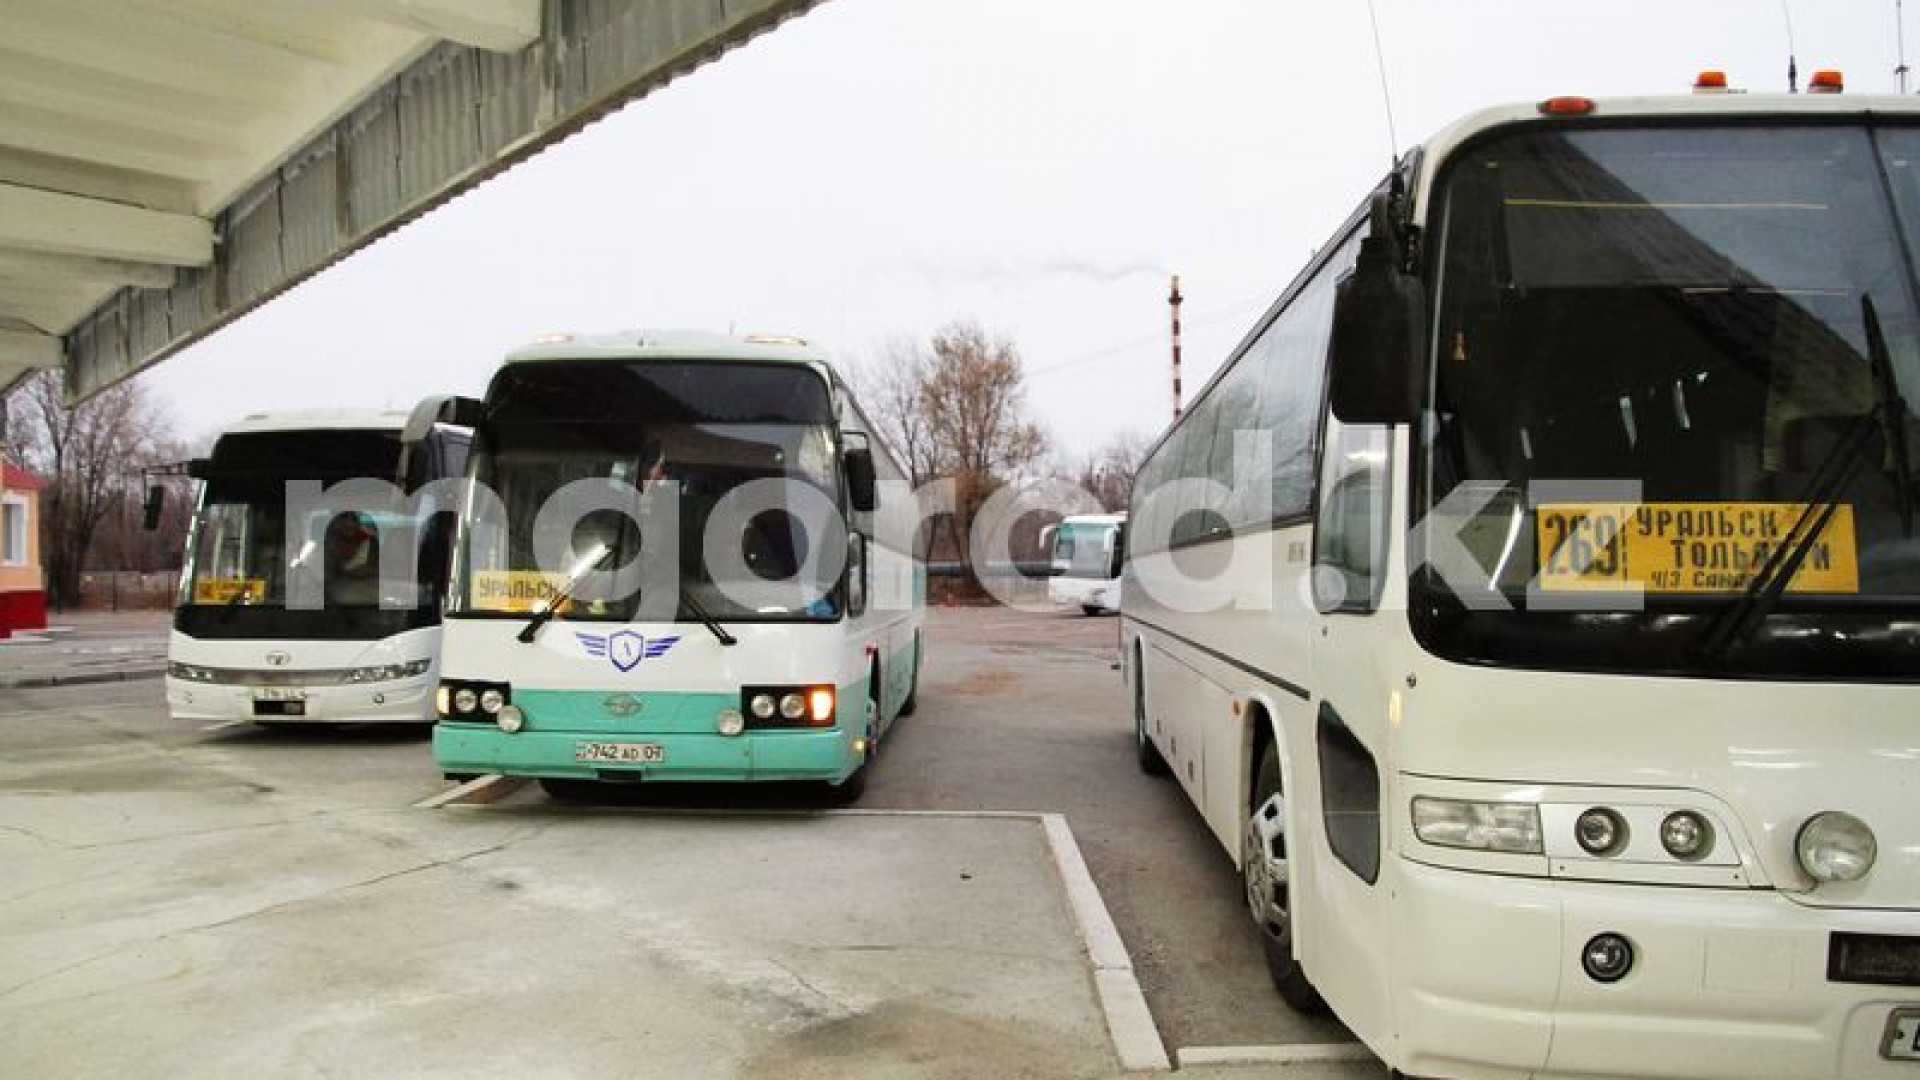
224, 590
1686, 547
520, 591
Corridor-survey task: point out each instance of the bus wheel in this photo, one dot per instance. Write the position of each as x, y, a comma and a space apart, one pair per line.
1090, 609
567, 790
913, 688
848, 791
1145, 753
1265, 868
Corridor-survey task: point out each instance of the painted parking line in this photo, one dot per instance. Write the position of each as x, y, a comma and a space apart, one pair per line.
1297, 1054
478, 791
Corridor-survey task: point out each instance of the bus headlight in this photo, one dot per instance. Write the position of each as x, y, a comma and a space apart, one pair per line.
1686, 835
765, 707
389, 672
1836, 846
1600, 831
730, 722
472, 702
192, 672
510, 718
1480, 826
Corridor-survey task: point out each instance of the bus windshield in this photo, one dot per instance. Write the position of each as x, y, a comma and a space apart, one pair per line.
1654, 348
1086, 549
642, 433
240, 556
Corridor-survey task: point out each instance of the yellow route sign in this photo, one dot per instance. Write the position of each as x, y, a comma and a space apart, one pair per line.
515, 590
224, 590
1712, 547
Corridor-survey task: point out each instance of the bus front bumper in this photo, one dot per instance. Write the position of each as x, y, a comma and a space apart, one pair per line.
828, 754
1725, 983
400, 701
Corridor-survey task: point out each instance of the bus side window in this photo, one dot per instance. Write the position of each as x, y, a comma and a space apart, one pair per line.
1350, 535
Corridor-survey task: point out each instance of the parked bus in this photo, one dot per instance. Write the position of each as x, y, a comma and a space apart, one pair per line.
765, 640
244, 647
1554, 684
1088, 550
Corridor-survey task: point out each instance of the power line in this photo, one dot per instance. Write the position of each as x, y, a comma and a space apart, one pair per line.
1210, 317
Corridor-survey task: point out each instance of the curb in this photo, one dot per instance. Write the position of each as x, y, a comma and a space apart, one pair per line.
36, 682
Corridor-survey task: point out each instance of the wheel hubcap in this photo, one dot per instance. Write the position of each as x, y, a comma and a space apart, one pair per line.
1264, 862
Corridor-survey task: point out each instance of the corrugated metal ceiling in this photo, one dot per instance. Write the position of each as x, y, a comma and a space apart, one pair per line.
167, 165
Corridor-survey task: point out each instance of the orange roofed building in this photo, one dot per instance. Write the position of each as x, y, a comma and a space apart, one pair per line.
23, 593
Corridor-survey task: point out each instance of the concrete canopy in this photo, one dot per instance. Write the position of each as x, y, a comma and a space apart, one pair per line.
168, 165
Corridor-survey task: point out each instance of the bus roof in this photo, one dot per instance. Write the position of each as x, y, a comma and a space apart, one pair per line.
1665, 107
319, 420
669, 345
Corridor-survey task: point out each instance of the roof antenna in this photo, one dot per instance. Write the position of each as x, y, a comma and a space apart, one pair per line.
1793, 72
1386, 93
1900, 40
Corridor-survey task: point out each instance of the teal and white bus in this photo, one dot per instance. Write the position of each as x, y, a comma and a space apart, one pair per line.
682, 557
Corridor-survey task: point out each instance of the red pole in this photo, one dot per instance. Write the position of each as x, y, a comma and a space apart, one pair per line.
1173, 301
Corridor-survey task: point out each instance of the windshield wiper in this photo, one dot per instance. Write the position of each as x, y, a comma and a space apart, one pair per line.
580, 570
1893, 410
1739, 620
234, 601
700, 612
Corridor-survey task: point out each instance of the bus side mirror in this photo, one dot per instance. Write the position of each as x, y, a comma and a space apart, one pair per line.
150, 510
1379, 323
861, 492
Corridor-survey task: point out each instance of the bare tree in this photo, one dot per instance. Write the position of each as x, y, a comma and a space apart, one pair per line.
976, 413
892, 390
955, 409
92, 455
1107, 473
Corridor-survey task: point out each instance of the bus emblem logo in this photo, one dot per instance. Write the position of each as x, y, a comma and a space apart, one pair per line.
625, 649
279, 659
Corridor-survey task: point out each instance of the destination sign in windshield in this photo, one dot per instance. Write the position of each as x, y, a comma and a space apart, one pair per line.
1686, 547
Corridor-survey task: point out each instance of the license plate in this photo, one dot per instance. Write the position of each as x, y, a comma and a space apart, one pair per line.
1902, 1040
279, 693
620, 753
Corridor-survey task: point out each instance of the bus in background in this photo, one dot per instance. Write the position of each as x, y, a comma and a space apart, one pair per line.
763, 646
1557, 689
1088, 550
242, 648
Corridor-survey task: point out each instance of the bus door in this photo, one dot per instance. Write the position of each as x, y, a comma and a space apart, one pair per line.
1346, 944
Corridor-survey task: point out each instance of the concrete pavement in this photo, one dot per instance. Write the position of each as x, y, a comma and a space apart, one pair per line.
87, 647
250, 902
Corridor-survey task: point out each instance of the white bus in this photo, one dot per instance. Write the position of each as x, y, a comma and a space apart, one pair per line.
1554, 686
685, 557
243, 647
1088, 550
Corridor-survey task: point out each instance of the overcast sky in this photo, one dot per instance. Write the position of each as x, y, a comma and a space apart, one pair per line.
881, 167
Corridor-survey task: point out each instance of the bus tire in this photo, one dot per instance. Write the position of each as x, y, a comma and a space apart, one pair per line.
1091, 609
912, 701
566, 789
848, 791
1146, 755
1264, 867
